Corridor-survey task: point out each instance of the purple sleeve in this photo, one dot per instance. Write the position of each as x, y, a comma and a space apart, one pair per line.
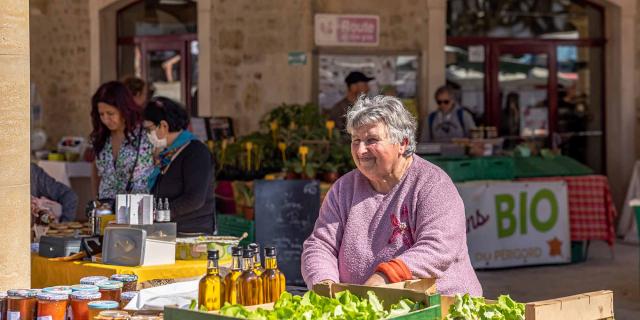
320, 250
440, 231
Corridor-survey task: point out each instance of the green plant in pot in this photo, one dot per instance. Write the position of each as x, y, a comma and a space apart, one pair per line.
244, 197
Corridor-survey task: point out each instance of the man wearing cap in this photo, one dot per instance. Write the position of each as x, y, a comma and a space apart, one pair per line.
357, 84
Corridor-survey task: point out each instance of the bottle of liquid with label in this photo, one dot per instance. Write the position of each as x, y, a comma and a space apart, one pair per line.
257, 263
232, 280
250, 283
211, 287
273, 279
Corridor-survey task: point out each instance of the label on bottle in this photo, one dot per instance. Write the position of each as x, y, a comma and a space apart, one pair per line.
45, 318
13, 315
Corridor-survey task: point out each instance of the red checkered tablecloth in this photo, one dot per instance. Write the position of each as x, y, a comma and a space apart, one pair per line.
591, 210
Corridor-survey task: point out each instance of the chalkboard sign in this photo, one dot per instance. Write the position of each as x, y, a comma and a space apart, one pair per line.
285, 213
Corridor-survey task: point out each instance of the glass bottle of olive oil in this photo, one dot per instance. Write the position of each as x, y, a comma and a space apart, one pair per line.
250, 283
273, 279
211, 287
257, 263
232, 280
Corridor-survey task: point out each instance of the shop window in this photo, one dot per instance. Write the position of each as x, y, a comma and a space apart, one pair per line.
466, 75
394, 75
545, 19
158, 17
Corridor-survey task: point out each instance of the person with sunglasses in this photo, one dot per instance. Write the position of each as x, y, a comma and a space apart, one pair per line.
449, 121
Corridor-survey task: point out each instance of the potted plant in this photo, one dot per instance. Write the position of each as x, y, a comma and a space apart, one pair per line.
245, 198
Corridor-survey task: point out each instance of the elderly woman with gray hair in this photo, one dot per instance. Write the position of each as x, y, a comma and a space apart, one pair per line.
396, 217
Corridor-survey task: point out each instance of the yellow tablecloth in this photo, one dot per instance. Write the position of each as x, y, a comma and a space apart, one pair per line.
45, 273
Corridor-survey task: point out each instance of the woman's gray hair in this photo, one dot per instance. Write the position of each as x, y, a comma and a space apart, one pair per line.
388, 110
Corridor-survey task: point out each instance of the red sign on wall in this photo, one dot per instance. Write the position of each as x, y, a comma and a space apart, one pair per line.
347, 30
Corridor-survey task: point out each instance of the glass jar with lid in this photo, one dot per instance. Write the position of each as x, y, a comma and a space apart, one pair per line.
129, 281
52, 306
110, 290
21, 304
95, 307
79, 301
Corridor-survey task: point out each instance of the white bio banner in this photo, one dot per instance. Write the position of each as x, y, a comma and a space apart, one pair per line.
516, 223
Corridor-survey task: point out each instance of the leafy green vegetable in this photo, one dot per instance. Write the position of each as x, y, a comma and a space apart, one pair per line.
345, 306
472, 308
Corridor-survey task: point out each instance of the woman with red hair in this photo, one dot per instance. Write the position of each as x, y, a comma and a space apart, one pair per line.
124, 155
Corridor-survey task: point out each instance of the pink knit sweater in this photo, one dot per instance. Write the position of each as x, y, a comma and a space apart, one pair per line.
420, 221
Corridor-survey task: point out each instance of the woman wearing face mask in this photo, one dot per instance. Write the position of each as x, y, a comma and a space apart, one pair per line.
184, 167
124, 156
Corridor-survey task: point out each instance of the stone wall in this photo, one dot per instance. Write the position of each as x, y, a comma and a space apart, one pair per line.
251, 41
60, 65
15, 259
249, 68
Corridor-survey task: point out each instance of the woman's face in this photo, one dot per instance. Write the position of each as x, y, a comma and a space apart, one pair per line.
111, 117
373, 152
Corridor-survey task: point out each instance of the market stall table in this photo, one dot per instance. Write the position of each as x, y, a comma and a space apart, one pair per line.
45, 273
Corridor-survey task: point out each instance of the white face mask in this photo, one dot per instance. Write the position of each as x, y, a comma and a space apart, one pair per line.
157, 143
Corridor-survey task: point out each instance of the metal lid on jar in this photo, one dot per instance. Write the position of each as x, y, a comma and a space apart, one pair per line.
3, 294
103, 305
22, 293
109, 285
86, 295
93, 280
58, 290
124, 277
48, 296
84, 287
129, 295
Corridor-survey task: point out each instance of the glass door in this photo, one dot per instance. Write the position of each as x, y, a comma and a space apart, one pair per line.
523, 96
164, 69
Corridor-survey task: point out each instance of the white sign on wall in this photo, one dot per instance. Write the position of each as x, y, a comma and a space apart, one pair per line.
516, 223
347, 30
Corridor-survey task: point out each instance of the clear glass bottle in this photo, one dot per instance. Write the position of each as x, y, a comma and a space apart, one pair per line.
211, 288
273, 280
232, 280
250, 283
257, 263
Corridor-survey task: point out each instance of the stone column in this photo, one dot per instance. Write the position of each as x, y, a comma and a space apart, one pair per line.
15, 261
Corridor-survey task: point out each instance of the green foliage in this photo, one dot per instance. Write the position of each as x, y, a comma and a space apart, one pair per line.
313, 306
472, 308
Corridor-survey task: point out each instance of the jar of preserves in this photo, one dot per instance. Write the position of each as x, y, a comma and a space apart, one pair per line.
95, 307
84, 287
129, 281
110, 290
21, 304
80, 303
126, 297
52, 306
3, 305
93, 280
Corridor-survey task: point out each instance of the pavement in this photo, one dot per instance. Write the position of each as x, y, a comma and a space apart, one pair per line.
618, 271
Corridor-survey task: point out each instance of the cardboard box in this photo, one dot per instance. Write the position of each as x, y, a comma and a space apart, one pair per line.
596, 305
587, 306
416, 290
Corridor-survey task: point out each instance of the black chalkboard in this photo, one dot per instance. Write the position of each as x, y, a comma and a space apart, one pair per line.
285, 213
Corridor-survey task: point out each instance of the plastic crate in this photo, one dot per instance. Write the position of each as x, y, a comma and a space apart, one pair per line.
462, 170
496, 168
232, 225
